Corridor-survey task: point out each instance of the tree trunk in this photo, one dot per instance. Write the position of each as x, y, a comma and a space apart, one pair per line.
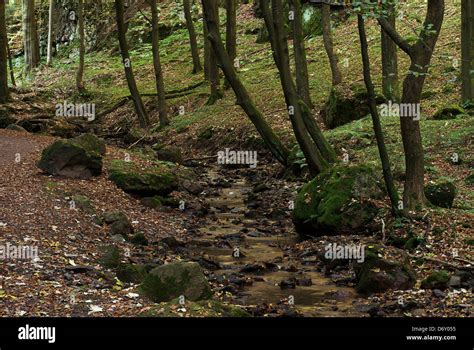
301, 67
243, 98
207, 54
420, 54
231, 31
467, 44
82, 47
30, 37
213, 69
316, 162
3, 56
160, 84
328, 44
387, 172
192, 37
127, 63
49, 56
389, 61
10, 62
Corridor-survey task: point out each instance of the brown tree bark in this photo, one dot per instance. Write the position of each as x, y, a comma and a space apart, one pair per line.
329, 45
301, 66
390, 85
127, 63
420, 55
192, 37
316, 162
10, 62
467, 50
82, 47
231, 31
243, 98
384, 158
212, 68
3, 56
160, 84
49, 55
30, 37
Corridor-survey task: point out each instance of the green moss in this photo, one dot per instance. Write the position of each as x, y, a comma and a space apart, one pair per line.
449, 112
330, 201
437, 280
155, 180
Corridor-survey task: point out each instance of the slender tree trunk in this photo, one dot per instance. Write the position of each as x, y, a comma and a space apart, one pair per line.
49, 56
316, 162
213, 69
192, 36
390, 84
467, 44
231, 31
3, 56
127, 63
30, 37
420, 54
328, 44
10, 62
243, 98
387, 173
301, 66
160, 84
207, 54
313, 129
82, 47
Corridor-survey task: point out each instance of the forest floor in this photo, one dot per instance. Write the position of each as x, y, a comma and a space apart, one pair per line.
67, 280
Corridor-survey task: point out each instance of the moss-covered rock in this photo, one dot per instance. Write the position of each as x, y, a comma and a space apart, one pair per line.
376, 275
343, 106
119, 223
336, 201
147, 182
449, 112
5, 118
83, 202
436, 280
133, 273
206, 133
170, 154
109, 257
203, 308
170, 281
441, 194
139, 238
80, 157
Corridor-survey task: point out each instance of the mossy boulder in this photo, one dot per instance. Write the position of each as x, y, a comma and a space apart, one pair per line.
80, 157
133, 273
436, 280
83, 202
143, 181
170, 154
5, 118
441, 194
449, 112
337, 201
343, 106
170, 281
203, 308
109, 257
139, 238
119, 224
376, 275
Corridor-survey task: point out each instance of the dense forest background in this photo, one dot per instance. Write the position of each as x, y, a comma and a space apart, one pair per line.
115, 116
